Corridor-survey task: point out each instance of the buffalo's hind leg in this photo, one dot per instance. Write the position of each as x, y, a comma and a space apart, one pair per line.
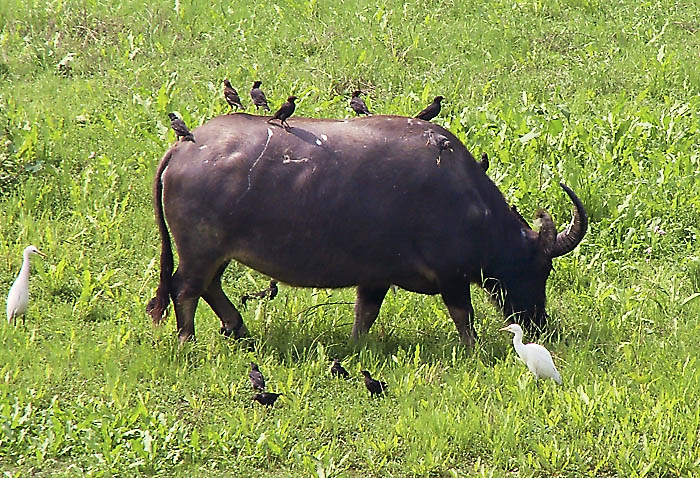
367, 304
457, 298
231, 319
186, 291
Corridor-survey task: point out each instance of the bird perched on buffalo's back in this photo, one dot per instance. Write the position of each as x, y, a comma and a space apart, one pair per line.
181, 130
231, 96
266, 398
375, 387
256, 377
358, 104
484, 163
258, 96
337, 370
438, 140
285, 111
432, 110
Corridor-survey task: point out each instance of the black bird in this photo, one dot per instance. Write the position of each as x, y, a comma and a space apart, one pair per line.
375, 387
358, 104
258, 96
231, 96
270, 292
484, 163
432, 110
338, 370
266, 398
181, 130
285, 111
256, 377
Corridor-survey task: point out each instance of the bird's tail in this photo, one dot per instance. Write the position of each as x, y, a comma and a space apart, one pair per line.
157, 306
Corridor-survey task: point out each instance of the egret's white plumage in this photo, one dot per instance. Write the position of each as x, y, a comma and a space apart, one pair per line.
536, 357
18, 298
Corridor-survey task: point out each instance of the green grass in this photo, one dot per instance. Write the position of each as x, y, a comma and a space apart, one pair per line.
603, 96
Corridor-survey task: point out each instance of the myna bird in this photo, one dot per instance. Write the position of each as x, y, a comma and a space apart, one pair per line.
432, 110
375, 387
181, 130
266, 398
270, 292
256, 377
338, 370
438, 140
285, 111
358, 104
484, 163
231, 96
258, 96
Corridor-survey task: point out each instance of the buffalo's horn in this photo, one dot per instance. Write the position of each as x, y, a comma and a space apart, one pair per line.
570, 237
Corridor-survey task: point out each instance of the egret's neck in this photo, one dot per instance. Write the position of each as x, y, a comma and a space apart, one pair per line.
24, 271
519, 347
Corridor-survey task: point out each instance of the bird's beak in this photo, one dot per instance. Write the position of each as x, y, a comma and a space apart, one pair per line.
504, 328
41, 254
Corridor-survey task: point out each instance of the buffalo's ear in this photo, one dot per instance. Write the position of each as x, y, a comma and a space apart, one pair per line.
548, 232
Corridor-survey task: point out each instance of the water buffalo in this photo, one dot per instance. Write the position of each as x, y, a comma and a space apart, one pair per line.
338, 203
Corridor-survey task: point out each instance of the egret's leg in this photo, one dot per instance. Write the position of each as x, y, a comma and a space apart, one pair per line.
457, 298
367, 304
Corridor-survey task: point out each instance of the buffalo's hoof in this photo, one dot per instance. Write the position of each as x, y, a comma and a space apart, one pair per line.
239, 333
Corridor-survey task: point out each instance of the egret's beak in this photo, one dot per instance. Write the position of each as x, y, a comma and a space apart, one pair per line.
41, 254
505, 329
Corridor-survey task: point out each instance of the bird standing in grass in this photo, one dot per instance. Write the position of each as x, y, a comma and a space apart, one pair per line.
231, 96
258, 97
484, 163
337, 370
18, 298
181, 130
536, 357
358, 104
375, 387
432, 110
256, 377
266, 398
285, 111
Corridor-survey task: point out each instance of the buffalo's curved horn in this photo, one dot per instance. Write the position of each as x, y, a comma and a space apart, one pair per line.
570, 237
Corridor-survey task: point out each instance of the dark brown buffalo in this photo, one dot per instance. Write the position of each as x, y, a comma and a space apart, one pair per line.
339, 203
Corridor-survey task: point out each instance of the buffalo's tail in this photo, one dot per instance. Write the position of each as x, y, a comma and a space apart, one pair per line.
157, 306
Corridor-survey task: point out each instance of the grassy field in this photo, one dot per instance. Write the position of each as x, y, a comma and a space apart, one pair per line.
604, 96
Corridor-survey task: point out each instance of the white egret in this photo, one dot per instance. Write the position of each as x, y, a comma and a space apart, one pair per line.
18, 298
536, 357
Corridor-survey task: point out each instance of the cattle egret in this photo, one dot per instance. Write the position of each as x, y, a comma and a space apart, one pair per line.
18, 298
536, 357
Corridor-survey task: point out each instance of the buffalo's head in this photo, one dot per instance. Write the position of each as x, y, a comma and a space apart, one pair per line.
520, 286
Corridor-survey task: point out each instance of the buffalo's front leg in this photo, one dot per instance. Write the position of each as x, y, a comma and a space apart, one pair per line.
458, 301
367, 304
231, 320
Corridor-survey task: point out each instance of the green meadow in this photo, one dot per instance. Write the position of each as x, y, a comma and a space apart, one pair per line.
604, 96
